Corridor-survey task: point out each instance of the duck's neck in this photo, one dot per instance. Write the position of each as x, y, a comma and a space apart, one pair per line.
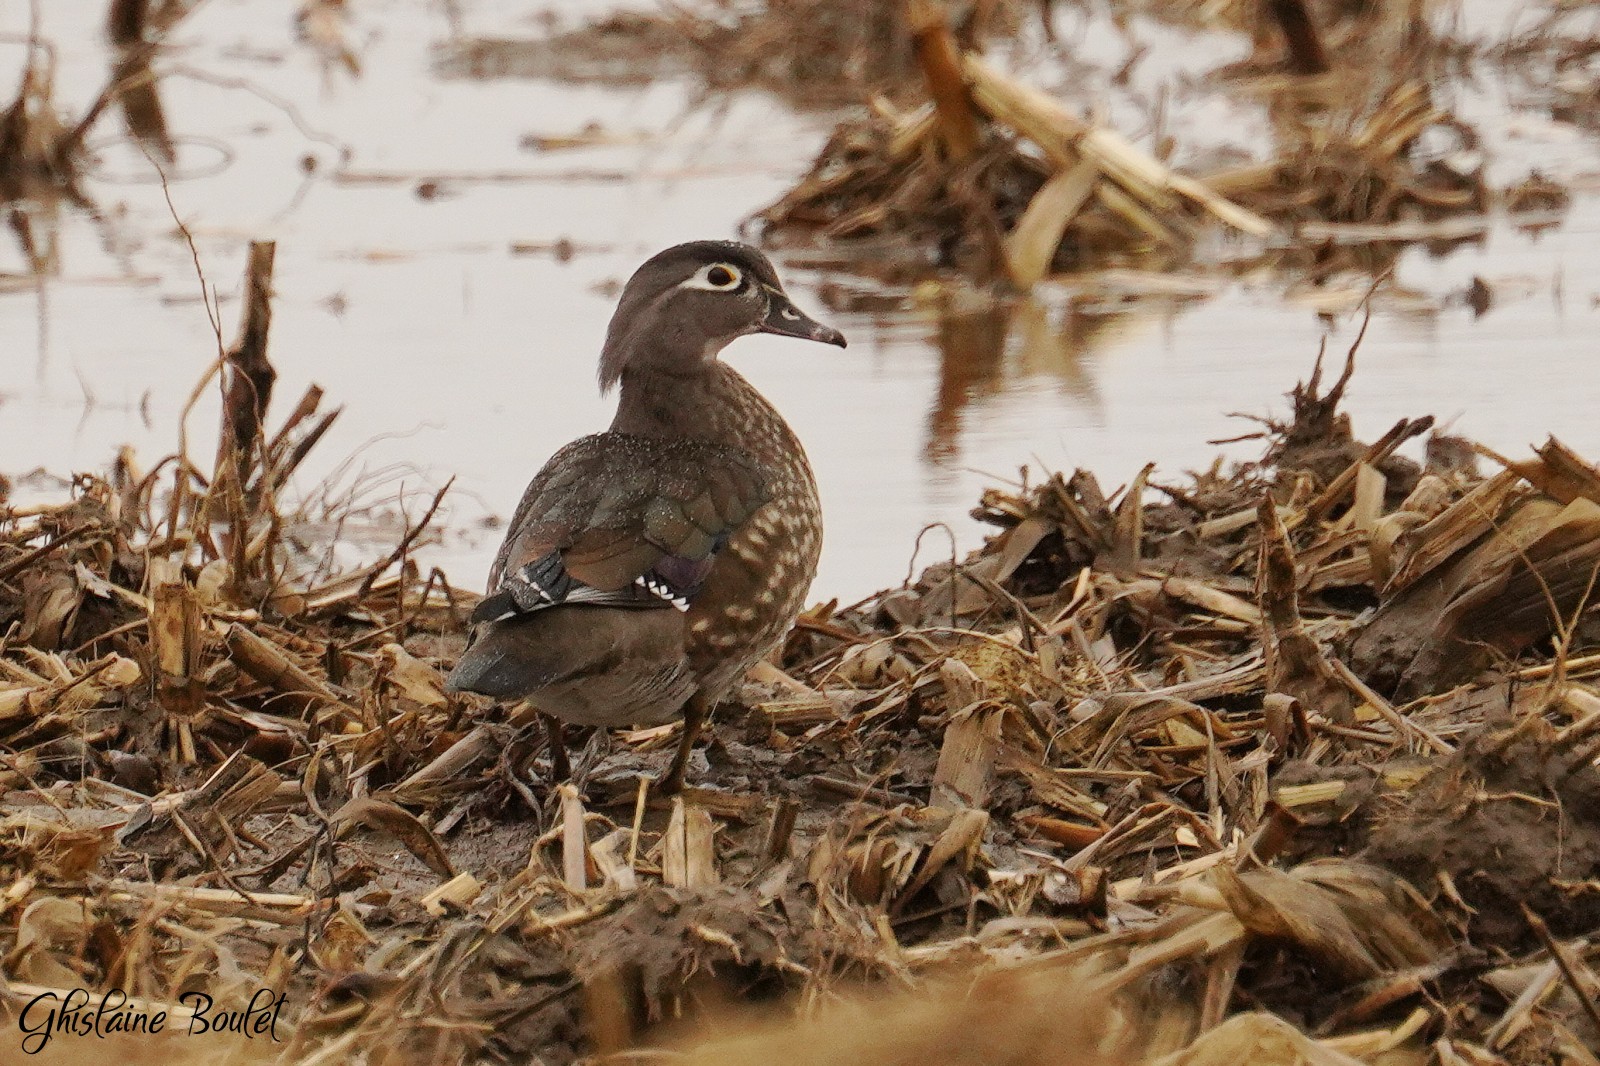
681, 402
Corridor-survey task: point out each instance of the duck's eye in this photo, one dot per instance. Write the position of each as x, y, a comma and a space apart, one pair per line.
718, 277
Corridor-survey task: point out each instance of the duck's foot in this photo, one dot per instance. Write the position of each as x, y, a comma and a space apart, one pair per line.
555, 735
694, 716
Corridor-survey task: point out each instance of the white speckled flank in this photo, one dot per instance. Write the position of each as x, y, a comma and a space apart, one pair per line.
764, 575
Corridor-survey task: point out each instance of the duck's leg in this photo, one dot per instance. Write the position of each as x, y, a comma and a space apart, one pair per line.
560, 768
694, 716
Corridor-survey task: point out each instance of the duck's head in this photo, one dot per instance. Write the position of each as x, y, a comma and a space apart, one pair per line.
684, 305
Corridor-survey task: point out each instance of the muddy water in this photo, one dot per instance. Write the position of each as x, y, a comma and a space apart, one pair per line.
416, 284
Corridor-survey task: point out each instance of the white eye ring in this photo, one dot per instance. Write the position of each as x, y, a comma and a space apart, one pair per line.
703, 279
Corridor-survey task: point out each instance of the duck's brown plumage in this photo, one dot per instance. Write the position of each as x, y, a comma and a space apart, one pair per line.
653, 564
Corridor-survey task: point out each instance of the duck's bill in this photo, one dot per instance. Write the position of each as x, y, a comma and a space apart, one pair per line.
787, 320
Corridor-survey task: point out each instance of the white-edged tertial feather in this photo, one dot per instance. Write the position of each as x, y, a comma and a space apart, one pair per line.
656, 587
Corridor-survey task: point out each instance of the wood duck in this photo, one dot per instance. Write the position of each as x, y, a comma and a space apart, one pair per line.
648, 567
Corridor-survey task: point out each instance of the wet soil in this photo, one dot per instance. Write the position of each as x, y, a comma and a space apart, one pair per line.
1512, 821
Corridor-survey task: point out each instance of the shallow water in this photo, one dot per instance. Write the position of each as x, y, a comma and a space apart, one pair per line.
458, 352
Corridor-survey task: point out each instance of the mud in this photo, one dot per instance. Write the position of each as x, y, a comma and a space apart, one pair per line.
1512, 821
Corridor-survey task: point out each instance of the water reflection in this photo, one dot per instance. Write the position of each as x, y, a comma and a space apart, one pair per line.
35, 224
138, 95
972, 348
1005, 345
136, 30
43, 153
36, 162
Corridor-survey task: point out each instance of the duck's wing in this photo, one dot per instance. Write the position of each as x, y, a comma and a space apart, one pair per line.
622, 521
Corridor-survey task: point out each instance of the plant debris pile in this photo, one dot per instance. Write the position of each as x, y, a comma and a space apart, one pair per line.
996, 178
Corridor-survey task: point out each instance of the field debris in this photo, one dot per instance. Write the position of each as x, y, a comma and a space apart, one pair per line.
812, 54
1002, 182
820, 53
996, 178
1297, 758
1343, 141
